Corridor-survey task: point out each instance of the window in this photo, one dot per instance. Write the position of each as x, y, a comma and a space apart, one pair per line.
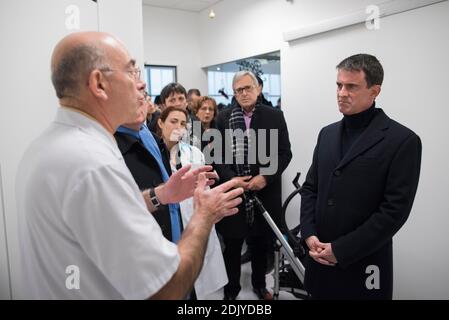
272, 87
157, 77
219, 80
267, 65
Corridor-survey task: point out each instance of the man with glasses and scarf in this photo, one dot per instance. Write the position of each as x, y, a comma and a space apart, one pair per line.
248, 116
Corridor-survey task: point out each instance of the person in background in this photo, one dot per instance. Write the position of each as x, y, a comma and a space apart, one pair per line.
245, 116
158, 103
192, 98
175, 95
147, 159
359, 190
246, 256
261, 98
278, 104
153, 111
172, 126
172, 95
221, 106
206, 111
85, 230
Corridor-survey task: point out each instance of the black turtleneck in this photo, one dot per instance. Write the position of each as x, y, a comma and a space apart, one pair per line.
353, 126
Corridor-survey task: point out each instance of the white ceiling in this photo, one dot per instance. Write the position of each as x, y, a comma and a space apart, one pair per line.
188, 5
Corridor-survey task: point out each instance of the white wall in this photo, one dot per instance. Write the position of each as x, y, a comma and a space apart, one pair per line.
247, 28
124, 20
5, 287
171, 38
413, 48
29, 30
414, 57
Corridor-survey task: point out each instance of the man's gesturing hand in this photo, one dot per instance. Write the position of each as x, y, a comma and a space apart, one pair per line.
218, 202
182, 183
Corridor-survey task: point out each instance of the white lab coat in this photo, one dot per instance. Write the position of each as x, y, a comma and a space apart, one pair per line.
213, 274
84, 228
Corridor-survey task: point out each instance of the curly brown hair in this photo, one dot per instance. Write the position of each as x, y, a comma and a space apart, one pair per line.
201, 100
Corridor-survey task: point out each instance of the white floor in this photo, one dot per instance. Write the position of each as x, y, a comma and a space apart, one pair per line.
247, 293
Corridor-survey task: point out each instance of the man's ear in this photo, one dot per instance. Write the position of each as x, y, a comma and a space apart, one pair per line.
98, 84
375, 90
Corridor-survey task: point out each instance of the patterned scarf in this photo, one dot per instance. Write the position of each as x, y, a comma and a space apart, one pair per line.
240, 147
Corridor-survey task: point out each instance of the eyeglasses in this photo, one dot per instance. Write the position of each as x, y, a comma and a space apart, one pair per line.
240, 91
134, 72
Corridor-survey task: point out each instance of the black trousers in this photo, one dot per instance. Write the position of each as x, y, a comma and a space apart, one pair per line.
260, 246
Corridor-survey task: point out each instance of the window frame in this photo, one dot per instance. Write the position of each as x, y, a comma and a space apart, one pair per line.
148, 68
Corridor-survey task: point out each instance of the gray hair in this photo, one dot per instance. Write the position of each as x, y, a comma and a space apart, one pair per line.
374, 73
239, 75
74, 68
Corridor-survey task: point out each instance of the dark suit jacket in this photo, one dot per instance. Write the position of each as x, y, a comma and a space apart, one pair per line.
358, 203
264, 117
152, 122
146, 171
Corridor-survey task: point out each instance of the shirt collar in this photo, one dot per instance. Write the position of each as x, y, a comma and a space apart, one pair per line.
86, 123
248, 114
129, 131
128, 139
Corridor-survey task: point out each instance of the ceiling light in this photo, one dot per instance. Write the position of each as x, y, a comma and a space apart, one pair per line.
211, 14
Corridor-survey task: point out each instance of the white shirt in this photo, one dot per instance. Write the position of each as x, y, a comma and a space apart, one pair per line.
80, 209
213, 273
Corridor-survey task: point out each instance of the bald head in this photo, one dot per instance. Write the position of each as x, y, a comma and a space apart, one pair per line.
76, 55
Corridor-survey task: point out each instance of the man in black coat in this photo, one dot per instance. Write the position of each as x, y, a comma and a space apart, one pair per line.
261, 176
359, 190
146, 172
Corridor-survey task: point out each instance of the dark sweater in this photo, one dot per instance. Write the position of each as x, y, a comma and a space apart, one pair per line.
353, 127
